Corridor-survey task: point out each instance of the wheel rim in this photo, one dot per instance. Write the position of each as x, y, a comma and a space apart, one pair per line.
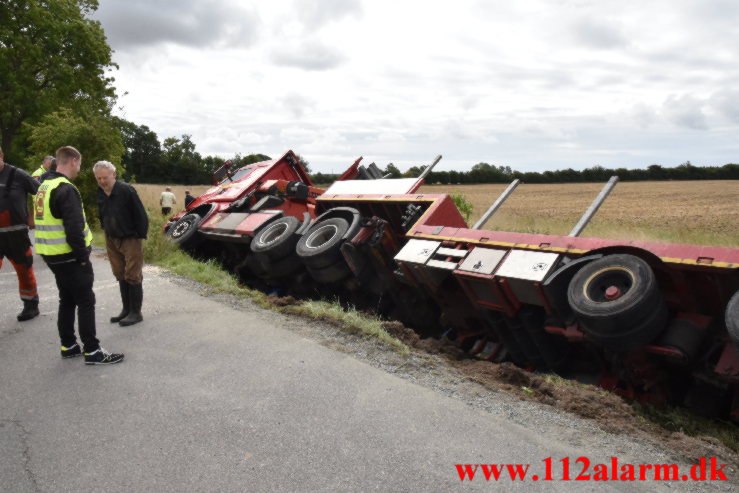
608, 285
181, 228
321, 236
273, 233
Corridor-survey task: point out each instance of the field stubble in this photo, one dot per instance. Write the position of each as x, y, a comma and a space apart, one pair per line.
698, 212
695, 212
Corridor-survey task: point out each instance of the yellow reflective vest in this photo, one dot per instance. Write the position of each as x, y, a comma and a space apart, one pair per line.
50, 236
40, 171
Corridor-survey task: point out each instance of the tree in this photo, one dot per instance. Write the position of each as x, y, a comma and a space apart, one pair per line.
393, 171
97, 137
181, 163
51, 56
143, 154
304, 163
414, 171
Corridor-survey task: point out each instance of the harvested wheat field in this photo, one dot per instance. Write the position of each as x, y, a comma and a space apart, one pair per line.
698, 212
150, 194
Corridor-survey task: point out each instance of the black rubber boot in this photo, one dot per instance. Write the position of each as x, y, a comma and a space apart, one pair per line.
126, 299
30, 310
136, 293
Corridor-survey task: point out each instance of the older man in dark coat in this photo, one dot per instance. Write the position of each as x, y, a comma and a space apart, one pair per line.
126, 224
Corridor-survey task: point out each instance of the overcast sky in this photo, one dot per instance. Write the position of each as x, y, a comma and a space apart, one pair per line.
532, 84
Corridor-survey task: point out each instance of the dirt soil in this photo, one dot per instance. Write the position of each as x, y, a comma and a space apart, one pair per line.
609, 411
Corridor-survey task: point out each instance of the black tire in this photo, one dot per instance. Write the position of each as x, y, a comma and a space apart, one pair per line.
635, 317
185, 231
277, 240
263, 267
732, 318
320, 246
330, 274
283, 268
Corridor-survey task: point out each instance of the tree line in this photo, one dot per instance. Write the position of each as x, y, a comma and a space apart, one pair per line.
175, 160
490, 173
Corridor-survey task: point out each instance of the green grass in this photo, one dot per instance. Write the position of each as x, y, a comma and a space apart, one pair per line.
676, 419
349, 320
670, 418
464, 206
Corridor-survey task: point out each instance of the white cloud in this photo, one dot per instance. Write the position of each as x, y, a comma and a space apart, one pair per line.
136, 24
311, 55
598, 34
298, 104
726, 102
685, 111
316, 13
642, 115
532, 84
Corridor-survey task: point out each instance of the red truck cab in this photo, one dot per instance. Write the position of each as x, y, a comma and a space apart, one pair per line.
245, 193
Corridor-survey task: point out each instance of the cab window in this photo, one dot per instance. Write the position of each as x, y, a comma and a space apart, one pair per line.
240, 174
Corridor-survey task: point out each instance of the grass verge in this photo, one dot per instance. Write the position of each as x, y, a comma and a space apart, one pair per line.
669, 418
674, 419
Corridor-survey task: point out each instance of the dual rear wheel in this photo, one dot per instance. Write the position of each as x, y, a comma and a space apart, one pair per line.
618, 302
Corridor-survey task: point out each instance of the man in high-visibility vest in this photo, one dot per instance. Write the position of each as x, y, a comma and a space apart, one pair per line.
15, 187
63, 240
45, 166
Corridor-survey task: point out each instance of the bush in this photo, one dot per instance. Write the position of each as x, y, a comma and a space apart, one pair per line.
463, 205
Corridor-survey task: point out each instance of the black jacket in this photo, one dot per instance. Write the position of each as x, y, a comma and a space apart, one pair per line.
66, 204
122, 215
14, 198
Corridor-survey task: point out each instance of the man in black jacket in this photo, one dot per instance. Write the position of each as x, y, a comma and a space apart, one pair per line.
63, 240
125, 222
15, 187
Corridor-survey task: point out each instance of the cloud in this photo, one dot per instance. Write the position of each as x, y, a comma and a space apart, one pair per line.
297, 104
596, 34
131, 24
467, 131
317, 140
726, 103
254, 138
685, 111
312, 55
316, 13
643, 115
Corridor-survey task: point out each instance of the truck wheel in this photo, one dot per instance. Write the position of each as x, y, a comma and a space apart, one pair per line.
277, 240
732, 318
258, 265
185, 231
330, 274
320, 246
284, 267
617, 301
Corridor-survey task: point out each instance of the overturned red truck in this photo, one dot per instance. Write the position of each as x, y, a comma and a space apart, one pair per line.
651, 321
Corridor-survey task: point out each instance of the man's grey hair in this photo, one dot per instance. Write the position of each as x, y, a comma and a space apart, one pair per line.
103, 165
48, 158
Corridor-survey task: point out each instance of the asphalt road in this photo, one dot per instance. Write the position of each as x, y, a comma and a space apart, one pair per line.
216, 398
